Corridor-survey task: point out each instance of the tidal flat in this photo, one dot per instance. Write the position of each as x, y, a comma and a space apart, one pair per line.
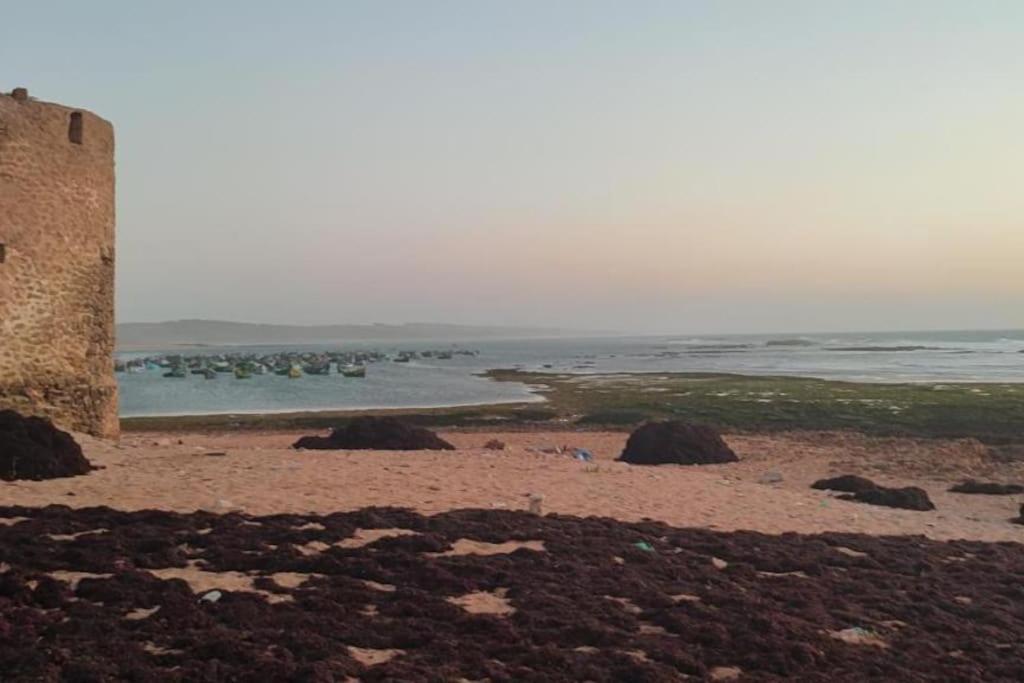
990, 412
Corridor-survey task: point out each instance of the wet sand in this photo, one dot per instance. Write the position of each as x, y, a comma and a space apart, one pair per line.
258, 473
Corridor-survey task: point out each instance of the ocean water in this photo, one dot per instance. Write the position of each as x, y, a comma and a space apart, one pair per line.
955, 356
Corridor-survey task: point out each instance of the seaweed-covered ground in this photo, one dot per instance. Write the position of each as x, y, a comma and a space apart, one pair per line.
379, 594
991, 412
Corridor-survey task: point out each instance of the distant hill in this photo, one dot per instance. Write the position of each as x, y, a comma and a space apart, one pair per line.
174, 333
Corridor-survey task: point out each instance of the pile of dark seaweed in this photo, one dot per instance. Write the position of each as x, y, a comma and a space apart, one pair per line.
987, 488
369, 432
864, 490
601, 600
674, 442
32, 448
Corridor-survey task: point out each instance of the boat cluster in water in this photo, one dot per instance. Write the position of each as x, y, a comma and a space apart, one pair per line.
292, 364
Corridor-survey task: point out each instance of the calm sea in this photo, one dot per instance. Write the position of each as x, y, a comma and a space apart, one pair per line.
956, 356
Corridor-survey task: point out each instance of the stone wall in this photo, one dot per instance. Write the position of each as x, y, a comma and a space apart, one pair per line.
57, 264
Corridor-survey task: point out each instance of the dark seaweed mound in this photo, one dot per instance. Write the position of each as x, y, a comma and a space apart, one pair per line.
32, 448
376, 433
866, 491
908, 498
987, 488
677, 443
604, 601
850, 483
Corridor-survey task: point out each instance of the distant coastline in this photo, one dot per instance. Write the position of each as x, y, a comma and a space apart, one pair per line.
187, 334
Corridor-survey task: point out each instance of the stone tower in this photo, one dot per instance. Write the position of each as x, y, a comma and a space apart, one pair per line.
57, 264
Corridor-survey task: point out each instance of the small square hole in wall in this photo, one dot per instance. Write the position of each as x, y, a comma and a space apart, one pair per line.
75, 128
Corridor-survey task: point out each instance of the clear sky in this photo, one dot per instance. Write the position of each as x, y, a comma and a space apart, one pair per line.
652, 166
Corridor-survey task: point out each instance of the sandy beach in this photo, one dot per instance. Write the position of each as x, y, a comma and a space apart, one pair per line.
232, 556
624, 343
209, 548
260, 474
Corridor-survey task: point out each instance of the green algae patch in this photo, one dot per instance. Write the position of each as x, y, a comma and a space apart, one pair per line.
993, 413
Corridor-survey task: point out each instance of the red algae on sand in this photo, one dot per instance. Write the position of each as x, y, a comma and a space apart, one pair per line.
572, 599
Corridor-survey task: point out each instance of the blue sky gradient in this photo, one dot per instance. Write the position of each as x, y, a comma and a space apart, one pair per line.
647, 166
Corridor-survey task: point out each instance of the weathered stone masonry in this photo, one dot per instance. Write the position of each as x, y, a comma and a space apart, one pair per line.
57, 264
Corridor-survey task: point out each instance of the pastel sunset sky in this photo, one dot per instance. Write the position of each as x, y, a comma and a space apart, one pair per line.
642, 166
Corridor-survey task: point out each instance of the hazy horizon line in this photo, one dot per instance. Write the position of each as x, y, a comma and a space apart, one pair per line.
604, 332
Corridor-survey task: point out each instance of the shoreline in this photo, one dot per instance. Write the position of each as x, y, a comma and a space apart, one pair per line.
335, 410
468, 416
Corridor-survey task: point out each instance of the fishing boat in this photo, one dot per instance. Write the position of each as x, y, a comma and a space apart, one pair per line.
242, 372
209, 373
353, 370
318, 369
294, 372
176, 372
